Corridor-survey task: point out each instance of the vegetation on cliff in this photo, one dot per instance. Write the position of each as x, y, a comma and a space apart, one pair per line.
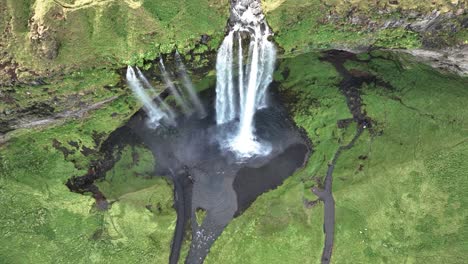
399, 192
42, 37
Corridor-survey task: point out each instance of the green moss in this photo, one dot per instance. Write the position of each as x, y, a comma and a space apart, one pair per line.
200, 215
19, 12
113, 33
67, 92
400, 196
462, 36
370, 6
43, 222
134, 171
397, 38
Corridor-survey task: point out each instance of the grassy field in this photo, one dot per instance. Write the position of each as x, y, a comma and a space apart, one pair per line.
400, 193
43, 222
104, 34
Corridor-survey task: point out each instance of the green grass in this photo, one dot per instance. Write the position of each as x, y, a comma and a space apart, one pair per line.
43, 222
410, 195
369, 6
397, 39
304, 25
114, 33
406, 205
65, 92
133, 172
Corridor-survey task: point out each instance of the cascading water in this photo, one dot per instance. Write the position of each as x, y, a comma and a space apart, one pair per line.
241, 98
161, 111
155, 114
158, 99
241, 83
174, 91
189, 87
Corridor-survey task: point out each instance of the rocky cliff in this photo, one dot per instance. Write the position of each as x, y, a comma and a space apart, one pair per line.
41, 38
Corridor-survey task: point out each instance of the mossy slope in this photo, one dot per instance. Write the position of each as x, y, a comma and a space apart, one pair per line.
400, 192
43, 36
304, 24
43, 222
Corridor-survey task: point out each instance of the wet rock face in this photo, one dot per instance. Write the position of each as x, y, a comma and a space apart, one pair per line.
247, 14
451, 59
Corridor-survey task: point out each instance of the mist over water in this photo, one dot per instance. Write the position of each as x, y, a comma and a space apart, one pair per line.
174, 91
187, 82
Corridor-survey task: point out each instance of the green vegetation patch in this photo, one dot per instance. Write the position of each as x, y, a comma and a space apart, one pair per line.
134, 171
43, 222
282, 226
61, 93
107, 33
408, 192
400, 191
397, 38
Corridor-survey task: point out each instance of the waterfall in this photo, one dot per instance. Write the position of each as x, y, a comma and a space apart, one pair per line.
224, 86
161, 102
189, 87
174, 91
157, 109
241, 98
155, 114
241, 83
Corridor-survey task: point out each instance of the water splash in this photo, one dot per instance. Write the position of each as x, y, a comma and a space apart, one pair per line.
243, 97
155, 114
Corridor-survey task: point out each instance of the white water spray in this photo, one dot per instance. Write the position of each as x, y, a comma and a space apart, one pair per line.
170, 84
189, 87
165, 107
155, 114
242, 98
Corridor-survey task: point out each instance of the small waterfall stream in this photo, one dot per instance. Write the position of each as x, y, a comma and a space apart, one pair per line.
155, 114
189, 87
174, 91
158, 110
169, 111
